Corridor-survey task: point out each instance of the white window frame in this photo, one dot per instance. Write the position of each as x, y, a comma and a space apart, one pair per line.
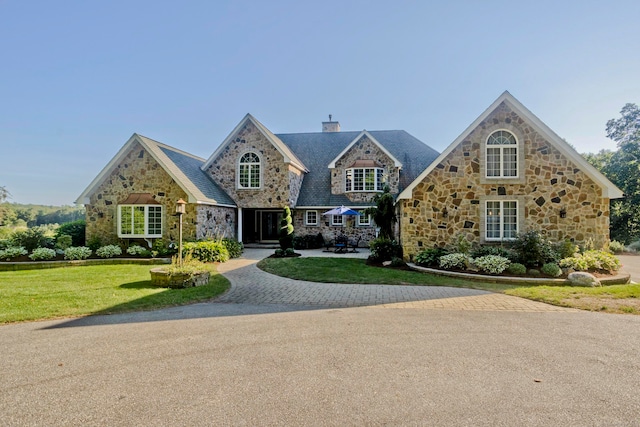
502, 153
350, 181
306, 218
499, 219
251, 171
364, 216
337, 220
147, 209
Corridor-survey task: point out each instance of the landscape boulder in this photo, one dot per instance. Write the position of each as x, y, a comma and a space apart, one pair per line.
582, 278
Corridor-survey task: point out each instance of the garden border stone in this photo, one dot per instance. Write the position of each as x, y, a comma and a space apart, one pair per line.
619, 279
37, 265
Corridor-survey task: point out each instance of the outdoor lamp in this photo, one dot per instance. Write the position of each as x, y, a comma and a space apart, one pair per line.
181, 206
180, 210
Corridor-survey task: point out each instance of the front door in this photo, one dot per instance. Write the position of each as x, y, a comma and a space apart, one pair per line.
269, 225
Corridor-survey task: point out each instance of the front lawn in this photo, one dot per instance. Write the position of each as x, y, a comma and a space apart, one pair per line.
610, 299
99, 289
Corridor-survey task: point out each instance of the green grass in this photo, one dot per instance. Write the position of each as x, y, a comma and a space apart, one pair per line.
102, 289
611, 299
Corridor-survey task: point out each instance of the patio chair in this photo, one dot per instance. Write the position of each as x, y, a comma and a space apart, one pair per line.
353, 243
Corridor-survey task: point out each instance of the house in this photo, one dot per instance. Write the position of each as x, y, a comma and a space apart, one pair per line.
507, 173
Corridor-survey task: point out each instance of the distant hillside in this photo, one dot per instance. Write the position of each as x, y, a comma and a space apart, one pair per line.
32, 215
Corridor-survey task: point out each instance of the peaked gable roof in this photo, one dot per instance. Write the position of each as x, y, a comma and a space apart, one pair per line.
183, 167
362, 134
289, 156
609, 190
319, 149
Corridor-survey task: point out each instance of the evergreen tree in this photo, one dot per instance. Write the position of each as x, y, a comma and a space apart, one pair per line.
286, 229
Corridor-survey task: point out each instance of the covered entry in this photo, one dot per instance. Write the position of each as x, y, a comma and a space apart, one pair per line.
260, 226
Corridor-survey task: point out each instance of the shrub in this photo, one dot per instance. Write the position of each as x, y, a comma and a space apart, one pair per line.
63, 241
108, 251
485, 250
206, 251
616, 247
189, 266
551, 269
461, 244
533, 272
161, 248
12, 252
94, 242
397, 262
5, 243
592, 261
42, 254
32, 238
75, 229
137, 250
308, 241
517, 269
429, 257
383, 249
634, 246
234, 247
492, 264
77, 252
451, 261
566, 249
286, 229
289, 252
279, 253
532, 249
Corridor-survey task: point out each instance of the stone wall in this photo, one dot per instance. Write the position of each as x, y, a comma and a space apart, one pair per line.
364, 149
137, 173
215, 221
551, 183
329, 232
276, 191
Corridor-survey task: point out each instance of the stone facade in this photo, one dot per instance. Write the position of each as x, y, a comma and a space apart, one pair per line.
553, 194
137, 173
215, 221
329, 232
364, 149
280, 182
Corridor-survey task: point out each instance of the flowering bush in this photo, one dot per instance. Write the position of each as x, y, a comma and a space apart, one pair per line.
592, 261
12, 252
492, 264
42, 254
616, 247
429, 257
77, 252
108, 251
136, 250
457, 260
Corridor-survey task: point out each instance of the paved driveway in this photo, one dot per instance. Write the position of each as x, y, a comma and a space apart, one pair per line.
251, 285
631, 264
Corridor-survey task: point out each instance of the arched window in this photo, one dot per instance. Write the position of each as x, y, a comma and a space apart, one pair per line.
502, 155
249, 171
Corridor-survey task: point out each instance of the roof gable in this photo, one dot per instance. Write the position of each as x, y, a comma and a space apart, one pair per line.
287, 154
362, 134
183, 167
609, 190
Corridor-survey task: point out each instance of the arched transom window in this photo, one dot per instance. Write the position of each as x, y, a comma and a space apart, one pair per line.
502, 155
249, 171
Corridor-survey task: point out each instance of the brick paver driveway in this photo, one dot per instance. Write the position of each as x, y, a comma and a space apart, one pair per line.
250, 285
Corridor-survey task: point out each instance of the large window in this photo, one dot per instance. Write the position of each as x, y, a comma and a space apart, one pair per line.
502, 155
139, 221
364, 179
249, 171
501, 220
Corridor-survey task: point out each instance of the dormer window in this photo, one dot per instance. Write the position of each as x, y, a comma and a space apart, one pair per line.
249, 171
364, 175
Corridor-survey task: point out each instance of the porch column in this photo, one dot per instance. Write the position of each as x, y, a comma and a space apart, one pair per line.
239, 224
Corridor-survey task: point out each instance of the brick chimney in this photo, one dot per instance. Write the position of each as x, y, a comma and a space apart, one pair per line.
330, 126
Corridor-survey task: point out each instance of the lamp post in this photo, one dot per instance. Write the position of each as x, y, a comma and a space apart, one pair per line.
180, 210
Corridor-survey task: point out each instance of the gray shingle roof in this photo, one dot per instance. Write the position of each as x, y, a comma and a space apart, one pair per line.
190, 167
317, 150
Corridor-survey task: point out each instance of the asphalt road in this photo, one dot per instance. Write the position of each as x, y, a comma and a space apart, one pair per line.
235, 364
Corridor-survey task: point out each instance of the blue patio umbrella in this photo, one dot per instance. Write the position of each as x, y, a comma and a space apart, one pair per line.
341, 210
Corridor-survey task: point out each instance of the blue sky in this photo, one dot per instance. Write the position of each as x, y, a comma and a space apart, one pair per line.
79, 77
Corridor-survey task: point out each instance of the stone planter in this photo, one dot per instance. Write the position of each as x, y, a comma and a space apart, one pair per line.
164, 279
